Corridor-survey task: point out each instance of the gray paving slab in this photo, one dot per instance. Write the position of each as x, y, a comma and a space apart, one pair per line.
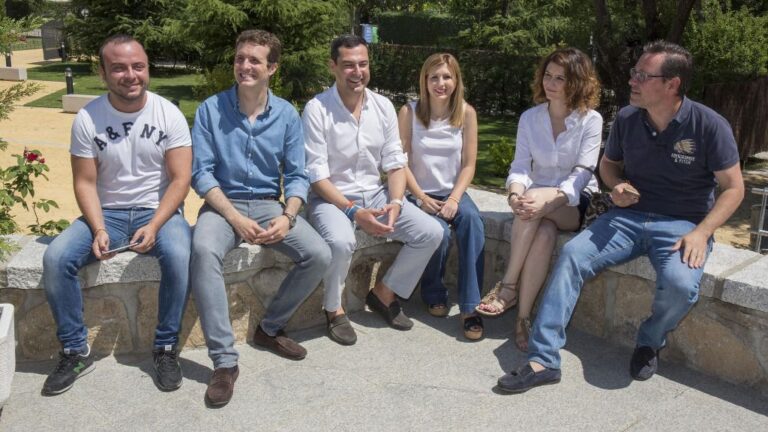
424, 379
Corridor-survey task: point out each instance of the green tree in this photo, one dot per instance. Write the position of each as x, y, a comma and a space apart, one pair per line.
91, 21
728, 45
305, 28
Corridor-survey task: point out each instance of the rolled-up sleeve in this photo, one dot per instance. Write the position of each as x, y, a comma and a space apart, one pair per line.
520, 168
392, 155
314, 142
204, 153
294, 175
588, 152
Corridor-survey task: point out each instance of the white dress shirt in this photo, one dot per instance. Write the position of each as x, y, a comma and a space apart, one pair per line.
542, 161
351, 154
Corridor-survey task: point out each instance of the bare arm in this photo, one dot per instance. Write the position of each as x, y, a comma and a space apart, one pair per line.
84, 173
468, 161
694, 244
404, 119
178, 164
612, 172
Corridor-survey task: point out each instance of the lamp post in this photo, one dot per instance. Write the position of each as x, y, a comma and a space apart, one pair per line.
68, 79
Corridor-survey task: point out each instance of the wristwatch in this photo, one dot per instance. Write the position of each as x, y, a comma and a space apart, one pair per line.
397, 201
291, 219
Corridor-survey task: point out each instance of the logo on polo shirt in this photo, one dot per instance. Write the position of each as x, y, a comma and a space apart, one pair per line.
683, 151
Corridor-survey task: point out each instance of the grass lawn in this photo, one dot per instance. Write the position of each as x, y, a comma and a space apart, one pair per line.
490, 131
169, 84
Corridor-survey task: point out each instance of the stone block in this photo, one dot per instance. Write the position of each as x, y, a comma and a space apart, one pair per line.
590, 312
716, 345
722, 262
106, 320
633, 299
191, 331
25, 269
245, 310
310, 313
72, 103
13, 73
749, 286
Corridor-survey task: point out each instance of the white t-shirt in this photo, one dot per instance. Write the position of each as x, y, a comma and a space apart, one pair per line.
129, 149
435, 154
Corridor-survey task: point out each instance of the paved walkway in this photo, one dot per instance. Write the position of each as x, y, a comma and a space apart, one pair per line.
424, 379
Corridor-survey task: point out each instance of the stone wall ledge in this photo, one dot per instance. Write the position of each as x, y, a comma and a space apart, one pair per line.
731, 318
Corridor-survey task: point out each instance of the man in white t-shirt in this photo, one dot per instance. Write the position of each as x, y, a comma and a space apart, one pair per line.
131, 164
351, 136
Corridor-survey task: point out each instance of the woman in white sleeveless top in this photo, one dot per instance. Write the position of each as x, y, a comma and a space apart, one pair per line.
439, 133
550, 179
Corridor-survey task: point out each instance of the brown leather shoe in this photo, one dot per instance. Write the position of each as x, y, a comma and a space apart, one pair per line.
279, 344
221, 386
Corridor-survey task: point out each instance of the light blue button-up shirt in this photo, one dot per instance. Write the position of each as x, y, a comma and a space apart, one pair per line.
247, 160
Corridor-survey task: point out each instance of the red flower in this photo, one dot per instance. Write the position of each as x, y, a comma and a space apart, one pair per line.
31, 157
41, 160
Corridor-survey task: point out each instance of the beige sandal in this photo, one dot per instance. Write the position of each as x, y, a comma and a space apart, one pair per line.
522, 333
497, 300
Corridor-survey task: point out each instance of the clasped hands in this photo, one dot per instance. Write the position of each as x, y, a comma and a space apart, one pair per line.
527, 208
443, 209
253, 233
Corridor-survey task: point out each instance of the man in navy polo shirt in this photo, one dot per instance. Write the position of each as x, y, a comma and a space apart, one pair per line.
663, 159
246, 143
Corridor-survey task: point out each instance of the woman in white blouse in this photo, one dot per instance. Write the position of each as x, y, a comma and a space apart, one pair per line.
558, 143
439, 133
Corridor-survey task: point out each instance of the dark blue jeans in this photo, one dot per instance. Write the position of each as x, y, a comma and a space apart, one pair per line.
470, 239
71, 251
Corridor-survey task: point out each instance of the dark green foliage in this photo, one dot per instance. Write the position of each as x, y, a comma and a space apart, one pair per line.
501, 154
425, 28
18, 9
728, 46
305, 28
146, 20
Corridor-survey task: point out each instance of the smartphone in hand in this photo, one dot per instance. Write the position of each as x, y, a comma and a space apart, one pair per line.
120, 248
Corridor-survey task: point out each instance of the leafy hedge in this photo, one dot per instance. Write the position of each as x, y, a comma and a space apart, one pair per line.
496, 84
421, 28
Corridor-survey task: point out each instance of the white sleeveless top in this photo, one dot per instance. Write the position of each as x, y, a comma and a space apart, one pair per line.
435, 154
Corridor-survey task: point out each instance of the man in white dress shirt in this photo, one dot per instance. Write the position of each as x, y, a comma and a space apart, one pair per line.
351, 136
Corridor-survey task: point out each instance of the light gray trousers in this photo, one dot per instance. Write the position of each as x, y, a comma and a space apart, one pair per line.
419, 232
213, 238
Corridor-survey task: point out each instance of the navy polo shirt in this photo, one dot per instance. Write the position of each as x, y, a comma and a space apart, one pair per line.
673, 169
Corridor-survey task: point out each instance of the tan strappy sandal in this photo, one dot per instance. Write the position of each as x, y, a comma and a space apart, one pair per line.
501, 298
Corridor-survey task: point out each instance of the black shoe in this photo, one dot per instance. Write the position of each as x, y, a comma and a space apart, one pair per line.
167, 367
393, 314
644, 363
71, 366
340, 330
525, 378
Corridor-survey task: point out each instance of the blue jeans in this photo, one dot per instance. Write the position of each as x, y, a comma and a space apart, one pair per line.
470, 239
616, 237
71, 250
214, 237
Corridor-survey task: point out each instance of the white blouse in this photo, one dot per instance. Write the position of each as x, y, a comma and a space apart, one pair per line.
435, 154
542, 161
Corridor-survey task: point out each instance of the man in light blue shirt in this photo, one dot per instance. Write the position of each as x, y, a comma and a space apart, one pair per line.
245, 141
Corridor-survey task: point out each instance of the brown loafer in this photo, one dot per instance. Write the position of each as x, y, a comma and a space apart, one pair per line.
340, 330
221, 386
279, 344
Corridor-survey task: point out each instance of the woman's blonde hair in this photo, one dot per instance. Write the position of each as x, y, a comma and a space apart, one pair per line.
456, 103
582, 88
